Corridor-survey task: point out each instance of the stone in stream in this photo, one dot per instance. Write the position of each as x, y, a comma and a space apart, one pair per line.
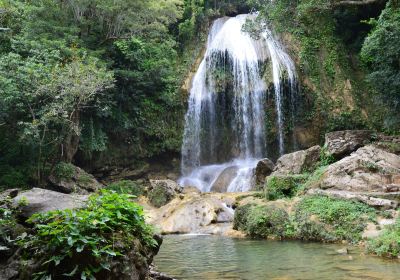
224, 179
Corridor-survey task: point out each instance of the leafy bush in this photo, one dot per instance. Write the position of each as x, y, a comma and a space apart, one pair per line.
323, 218
262, 221
387, 244
85, 242
64, 170
283, 186
127, 187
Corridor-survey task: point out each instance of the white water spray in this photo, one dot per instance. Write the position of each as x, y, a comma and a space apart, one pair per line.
226, 111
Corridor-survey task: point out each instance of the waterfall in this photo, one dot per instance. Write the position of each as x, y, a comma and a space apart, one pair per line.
224, 133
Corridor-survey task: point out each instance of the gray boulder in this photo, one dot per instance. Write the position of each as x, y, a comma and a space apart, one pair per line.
264, 168
343, 143
369, 169
224, 179
297, 162
40, 200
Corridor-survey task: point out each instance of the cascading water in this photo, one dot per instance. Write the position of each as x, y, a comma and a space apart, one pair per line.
226, 114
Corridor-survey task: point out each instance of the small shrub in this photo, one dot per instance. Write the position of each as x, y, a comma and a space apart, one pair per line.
278, 187
127, 187
324, 218
387, 244
85, 242
325, 158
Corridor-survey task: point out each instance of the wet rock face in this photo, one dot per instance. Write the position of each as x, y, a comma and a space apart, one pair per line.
162, 191
297, 162
343, 143
224, 179
40, 200
263, 169
76, 181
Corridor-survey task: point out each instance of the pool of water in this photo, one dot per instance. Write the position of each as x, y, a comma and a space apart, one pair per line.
216, 257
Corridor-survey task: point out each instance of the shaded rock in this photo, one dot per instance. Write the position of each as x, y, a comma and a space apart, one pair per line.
40, 200
264, 168
224, 179
369, 170
342, 143
297, 162
162, 191
10, 193
73, 180
347, 195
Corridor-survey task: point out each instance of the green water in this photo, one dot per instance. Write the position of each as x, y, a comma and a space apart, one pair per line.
213, 257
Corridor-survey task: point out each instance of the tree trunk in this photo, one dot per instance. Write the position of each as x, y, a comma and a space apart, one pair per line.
71, 143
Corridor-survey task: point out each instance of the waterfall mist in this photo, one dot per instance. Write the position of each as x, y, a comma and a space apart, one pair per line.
225, 133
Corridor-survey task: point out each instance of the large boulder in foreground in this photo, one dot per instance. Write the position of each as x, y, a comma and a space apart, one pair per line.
68, 178
297, 162
264, 168
40, 200
208, 213
342, 143
369, 171
221, 184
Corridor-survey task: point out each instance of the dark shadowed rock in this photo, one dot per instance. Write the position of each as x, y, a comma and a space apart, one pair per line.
224, 179
263, 169
40, 200
75, 181
298, 162
343, 143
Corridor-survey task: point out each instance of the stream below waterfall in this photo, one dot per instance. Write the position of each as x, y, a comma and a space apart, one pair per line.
216, 257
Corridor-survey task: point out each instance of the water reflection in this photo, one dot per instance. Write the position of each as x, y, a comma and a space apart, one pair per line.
213, 257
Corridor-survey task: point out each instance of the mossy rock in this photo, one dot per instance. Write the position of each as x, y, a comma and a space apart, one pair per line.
128, 187
162, 191
282, 186
262, 221
322, 218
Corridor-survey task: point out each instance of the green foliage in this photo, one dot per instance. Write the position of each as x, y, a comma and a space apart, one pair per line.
85, 242
387, 244
64, 170
328, 219
283, 186
380, 53
262, 221
127, 187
